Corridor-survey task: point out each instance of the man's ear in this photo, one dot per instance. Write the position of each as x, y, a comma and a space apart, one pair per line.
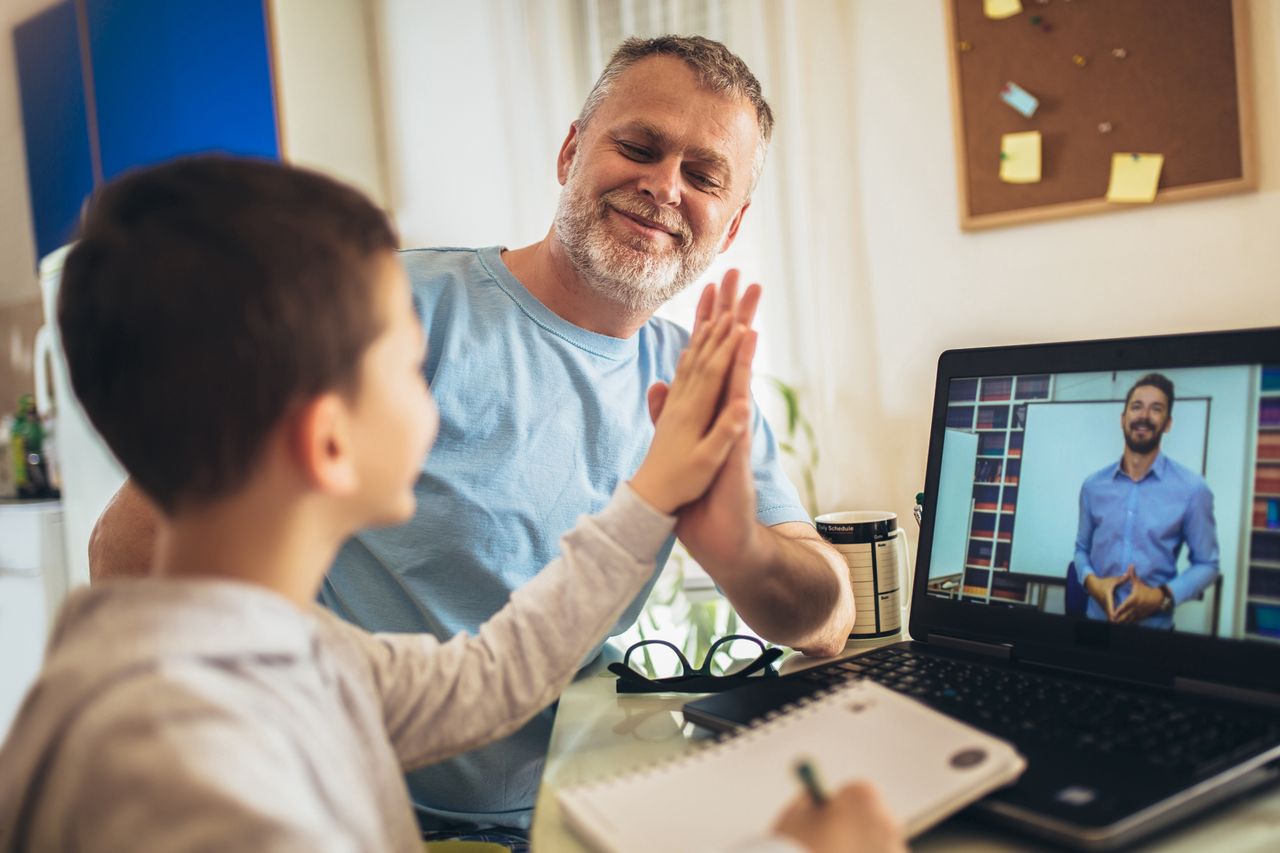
1168, 425
732, 233
321, 444
568, 149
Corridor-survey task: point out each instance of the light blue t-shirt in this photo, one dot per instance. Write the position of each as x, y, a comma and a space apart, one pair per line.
540, 421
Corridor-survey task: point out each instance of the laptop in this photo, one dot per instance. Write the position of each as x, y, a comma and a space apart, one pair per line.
1051, 470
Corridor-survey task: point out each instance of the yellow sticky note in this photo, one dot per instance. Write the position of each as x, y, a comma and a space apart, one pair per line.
1020, 157
1134, 177
1001, 8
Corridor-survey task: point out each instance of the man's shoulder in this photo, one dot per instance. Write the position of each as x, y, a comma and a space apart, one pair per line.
434, 262
1191, 478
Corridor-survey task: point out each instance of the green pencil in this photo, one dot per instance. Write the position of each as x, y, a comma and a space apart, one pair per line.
809, 778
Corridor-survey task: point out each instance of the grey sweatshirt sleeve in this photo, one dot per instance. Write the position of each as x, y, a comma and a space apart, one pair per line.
441, 699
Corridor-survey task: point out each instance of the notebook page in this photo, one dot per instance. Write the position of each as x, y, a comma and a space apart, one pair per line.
925, 764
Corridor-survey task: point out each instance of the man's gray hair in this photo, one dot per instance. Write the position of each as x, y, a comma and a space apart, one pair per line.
718, 69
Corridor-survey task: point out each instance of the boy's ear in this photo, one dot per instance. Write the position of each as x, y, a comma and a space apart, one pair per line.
321, 443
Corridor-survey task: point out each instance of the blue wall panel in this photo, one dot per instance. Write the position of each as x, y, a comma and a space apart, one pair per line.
51, 88
174, 78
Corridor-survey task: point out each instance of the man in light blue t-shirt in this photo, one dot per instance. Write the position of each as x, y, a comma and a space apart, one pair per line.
546, 363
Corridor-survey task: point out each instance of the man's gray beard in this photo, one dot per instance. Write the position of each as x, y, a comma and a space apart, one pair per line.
632, 277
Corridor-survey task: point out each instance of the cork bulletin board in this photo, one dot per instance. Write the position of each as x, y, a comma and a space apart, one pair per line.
1168, 77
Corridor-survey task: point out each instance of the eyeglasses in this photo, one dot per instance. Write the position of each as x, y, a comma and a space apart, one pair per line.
702, 679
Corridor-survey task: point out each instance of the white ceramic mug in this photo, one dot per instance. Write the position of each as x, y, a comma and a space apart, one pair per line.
879, 561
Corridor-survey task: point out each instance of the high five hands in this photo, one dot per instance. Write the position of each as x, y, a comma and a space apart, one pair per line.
720, 525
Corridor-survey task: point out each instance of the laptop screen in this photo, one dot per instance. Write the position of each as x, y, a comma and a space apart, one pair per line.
1144, 497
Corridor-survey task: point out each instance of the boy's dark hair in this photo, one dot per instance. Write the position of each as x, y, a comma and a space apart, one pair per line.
203, 299
1155, 380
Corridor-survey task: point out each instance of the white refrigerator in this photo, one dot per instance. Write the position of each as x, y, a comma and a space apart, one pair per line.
90, 474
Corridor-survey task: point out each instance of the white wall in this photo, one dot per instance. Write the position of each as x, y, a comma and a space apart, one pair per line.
328, 90
1197, 265
478, 98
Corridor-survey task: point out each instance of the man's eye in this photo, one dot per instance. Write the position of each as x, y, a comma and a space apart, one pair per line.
704, 181
634, 152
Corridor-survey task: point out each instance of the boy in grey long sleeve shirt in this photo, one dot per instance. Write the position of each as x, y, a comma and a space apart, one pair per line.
243, 338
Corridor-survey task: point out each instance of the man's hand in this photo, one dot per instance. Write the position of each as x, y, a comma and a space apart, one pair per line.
784, 581
1103, 591
854, 820
721, 527
1143, 601
707, 410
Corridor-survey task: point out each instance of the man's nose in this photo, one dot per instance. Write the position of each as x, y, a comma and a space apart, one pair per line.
661, 180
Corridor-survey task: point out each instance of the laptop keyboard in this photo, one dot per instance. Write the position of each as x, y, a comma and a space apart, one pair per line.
1165, 733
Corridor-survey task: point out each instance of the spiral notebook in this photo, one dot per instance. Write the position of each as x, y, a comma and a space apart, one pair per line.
926, 765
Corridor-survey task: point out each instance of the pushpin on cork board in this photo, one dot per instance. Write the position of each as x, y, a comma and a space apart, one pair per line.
1186, 83
1134, 177
1019, 98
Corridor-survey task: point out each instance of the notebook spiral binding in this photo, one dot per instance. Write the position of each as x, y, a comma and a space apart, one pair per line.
753, 730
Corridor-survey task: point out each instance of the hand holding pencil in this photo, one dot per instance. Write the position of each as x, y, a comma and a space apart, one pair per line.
852, 820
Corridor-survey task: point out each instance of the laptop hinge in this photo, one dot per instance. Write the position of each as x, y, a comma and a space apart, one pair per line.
1226, 691
1003, 651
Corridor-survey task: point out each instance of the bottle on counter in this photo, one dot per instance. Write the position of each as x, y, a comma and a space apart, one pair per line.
8, 488
26, 449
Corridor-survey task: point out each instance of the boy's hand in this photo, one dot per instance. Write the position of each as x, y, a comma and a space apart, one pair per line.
854, 820
720, 527
695, 430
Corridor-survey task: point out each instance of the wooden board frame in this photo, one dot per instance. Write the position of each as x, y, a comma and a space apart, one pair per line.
1246, 182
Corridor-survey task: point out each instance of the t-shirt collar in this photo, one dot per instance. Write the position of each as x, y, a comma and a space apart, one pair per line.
605, 346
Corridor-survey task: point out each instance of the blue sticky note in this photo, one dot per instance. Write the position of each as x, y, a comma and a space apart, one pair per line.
1019, 98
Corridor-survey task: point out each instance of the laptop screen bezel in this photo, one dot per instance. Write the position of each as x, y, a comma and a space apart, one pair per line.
1122, 651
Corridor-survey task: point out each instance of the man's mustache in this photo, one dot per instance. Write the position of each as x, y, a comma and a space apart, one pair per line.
639, 206
1148, 424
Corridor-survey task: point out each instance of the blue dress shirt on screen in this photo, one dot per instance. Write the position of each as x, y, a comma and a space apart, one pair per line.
1145, 523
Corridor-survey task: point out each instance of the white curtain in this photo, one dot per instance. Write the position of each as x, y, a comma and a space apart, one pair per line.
803, 237
478, 97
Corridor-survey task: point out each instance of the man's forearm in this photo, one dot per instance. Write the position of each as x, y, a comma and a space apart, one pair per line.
1193, 581
796, 594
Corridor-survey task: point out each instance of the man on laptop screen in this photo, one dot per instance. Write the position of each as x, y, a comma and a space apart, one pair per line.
1135, 516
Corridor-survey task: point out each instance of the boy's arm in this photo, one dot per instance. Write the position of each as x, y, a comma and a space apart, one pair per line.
123, 541
440, 699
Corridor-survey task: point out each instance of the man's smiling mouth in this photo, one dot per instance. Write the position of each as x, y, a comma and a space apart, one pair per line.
647, 223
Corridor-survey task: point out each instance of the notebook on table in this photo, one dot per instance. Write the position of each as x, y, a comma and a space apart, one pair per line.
925, 764
1129, 726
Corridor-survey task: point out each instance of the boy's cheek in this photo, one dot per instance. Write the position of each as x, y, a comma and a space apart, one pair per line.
431, 426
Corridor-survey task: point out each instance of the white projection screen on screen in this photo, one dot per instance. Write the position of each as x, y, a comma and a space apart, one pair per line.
1063, 444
